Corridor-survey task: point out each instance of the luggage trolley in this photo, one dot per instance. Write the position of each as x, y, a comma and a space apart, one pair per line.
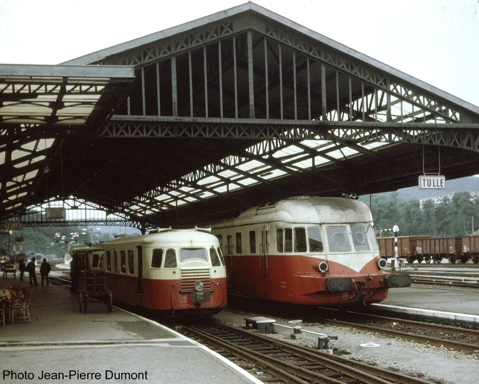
94, 290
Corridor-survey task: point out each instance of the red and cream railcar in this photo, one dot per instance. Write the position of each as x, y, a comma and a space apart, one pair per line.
172, 271
308, 250
89, 257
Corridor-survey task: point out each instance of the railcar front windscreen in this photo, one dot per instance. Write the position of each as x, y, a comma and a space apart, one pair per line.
215, 260
338, 239
359, 238
193, 253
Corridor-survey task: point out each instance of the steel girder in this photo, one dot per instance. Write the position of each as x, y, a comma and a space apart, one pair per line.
462, 136
249, 32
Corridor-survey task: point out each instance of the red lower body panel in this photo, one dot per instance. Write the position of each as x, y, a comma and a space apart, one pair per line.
165, 295
293, 279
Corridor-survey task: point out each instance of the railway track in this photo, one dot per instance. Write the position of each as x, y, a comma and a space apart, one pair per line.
276, 361
461, 282
461, 339
62, 281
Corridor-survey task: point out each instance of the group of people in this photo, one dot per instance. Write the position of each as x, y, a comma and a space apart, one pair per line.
45, 269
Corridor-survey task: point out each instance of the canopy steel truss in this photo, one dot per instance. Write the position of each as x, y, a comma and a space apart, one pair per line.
237, 109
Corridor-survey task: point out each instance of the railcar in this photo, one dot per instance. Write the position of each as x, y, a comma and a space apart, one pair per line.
171, 271
306, 250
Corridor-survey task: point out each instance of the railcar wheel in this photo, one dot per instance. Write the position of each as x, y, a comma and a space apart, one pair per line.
475, 259
428, 259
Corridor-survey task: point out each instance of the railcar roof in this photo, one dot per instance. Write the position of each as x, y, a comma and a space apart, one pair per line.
328, 210
171, 236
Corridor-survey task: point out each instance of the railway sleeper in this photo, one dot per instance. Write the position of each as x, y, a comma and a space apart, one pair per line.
233, 339
279, 355
265, 350
226, 355
246, 367
311, 365
270, 353
247, 343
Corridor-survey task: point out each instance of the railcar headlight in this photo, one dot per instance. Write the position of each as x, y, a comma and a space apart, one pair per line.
382, 263
198, 286
323, 267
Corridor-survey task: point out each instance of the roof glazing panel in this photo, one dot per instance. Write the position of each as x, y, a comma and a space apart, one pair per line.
55, 93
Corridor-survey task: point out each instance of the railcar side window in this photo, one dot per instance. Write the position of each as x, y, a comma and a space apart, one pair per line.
220, 239
156, 258
372, 239
288, 240
115, 261
315, 241
279, 240
338, 239
239, 248
123, 261
359, 238
193, 253
95, 261
170, 259
252, 242
108, 261
300, 240
229, 244
215, 260
131, 262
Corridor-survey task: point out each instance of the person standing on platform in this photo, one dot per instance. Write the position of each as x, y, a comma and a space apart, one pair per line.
45, 269
31, 271
21, 267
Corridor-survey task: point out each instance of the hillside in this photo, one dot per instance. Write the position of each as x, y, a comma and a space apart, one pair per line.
468, 184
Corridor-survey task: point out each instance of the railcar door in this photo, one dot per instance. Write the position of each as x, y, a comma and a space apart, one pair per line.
264, 260
264, 251
140, 269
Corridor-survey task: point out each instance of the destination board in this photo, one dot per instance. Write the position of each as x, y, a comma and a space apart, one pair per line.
432, 182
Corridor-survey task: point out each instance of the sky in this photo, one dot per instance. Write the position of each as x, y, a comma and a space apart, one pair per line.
436, 41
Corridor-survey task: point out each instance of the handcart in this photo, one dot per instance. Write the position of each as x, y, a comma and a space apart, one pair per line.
94, 290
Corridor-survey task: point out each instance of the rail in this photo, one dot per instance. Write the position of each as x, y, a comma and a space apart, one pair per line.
413, 332
465, 282
290, 362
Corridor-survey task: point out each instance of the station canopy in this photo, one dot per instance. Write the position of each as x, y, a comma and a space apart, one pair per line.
201, 121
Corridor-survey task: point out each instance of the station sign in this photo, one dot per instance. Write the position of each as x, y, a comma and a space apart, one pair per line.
55, 213
13, 226
432, 182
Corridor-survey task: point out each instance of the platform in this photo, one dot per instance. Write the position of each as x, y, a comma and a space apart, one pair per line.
64, 345
435, 302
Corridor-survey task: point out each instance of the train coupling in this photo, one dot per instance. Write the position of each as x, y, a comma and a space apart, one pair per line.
397, 281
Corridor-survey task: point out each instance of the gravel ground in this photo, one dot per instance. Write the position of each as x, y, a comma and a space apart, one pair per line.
431, 363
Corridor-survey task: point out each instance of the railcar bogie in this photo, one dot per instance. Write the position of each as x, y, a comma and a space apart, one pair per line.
310, 250
173, 271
